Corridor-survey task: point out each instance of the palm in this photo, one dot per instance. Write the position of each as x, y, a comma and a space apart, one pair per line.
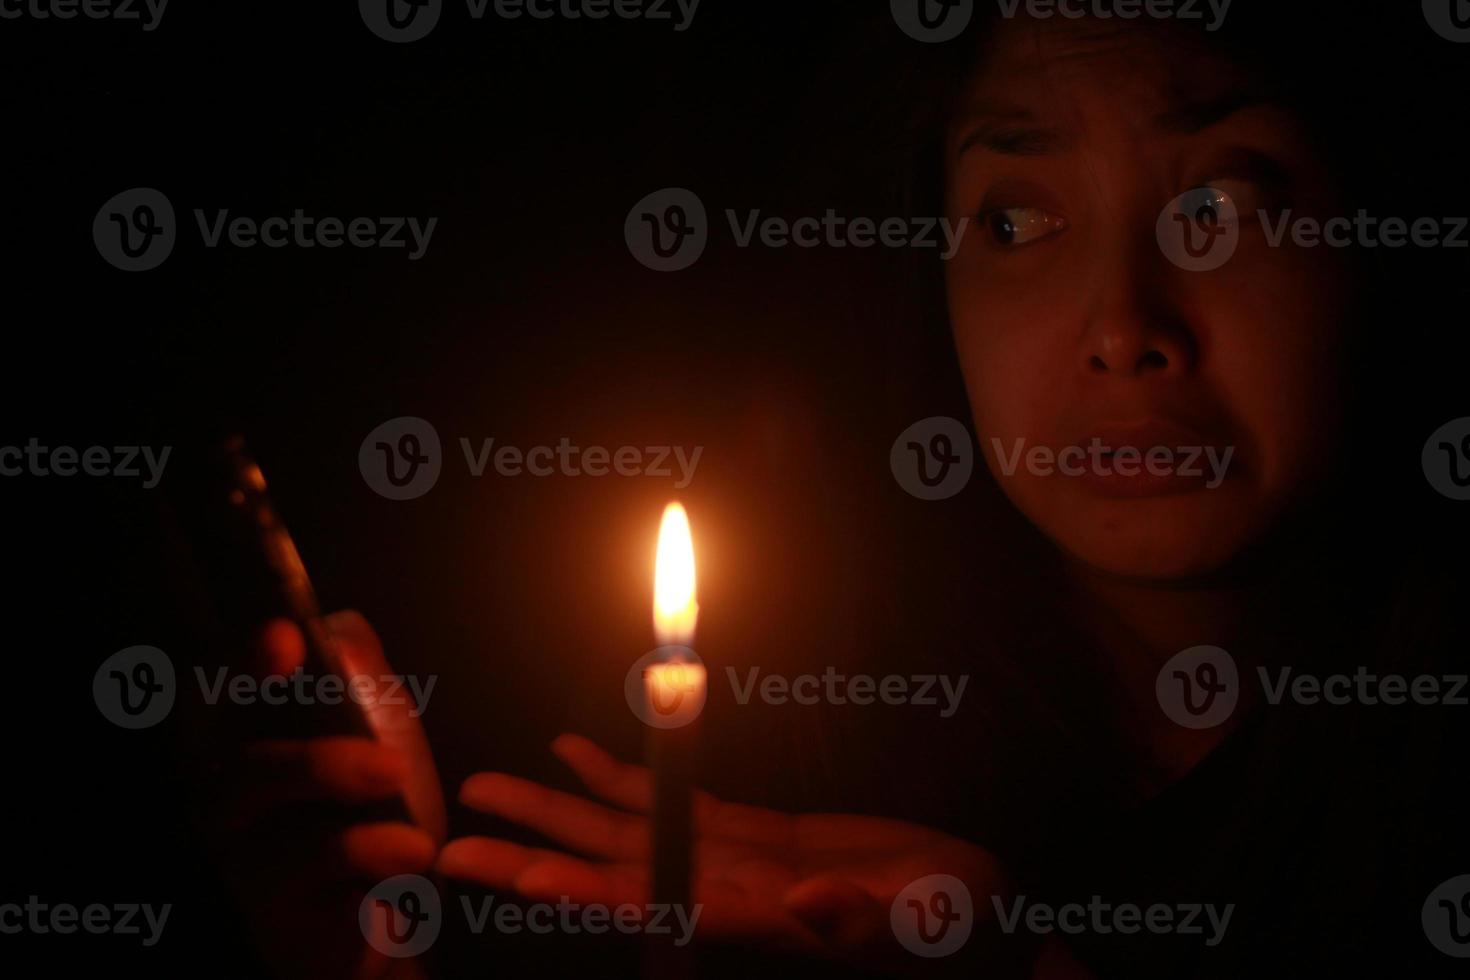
750, 862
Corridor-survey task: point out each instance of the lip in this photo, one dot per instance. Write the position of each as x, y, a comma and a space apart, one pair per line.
1190, 450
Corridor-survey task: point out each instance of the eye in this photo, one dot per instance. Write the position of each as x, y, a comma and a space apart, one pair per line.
1210, 205
1012, 227
1225, 201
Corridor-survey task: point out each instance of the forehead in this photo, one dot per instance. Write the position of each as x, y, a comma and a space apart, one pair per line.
1059, 67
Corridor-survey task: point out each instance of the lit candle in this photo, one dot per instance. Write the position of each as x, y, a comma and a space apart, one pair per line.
674, 693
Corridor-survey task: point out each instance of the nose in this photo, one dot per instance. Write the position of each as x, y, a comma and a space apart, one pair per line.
1133, 327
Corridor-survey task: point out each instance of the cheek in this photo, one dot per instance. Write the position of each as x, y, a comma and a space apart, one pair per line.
1273, 349
1012, 351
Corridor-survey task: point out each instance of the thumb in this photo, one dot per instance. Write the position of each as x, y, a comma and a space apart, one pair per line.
848, 919
357, 643
393, 714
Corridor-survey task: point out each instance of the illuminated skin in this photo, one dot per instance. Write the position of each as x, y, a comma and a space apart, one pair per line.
1069, 318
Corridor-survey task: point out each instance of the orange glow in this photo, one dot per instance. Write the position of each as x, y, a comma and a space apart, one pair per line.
675, 693
675, 610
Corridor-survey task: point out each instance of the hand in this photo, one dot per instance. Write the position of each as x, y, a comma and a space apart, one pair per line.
300, 878
815, 883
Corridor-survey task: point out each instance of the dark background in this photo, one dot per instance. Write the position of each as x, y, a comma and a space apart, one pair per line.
527, 321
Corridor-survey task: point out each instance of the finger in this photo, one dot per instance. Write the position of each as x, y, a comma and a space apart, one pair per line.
540, 874
394, 719
279, 649
631, 787
345, 767
569, 820
273, 773
279, 646
848, 920
617, 782
375, 851
310, 861
357, 642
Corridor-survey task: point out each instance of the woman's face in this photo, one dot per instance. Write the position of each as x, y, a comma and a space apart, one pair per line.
1102, 374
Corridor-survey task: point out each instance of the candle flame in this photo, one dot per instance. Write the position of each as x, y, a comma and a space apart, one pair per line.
674, 607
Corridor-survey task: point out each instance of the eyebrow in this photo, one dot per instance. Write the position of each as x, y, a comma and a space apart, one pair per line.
1193, 116
1013, 131
1010, 131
